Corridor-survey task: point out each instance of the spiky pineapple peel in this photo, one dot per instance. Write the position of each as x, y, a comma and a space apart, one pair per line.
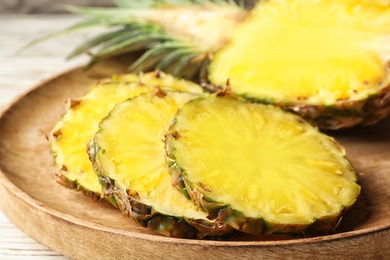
325, 60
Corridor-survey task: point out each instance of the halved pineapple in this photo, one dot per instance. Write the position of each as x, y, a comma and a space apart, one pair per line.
259, 169
69, 137
128, 154
326, 60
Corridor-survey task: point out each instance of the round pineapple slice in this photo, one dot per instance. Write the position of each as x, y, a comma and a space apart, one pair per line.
128, 154
70, 135
259, 169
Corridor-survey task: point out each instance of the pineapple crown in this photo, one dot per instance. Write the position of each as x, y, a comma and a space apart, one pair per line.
175, 36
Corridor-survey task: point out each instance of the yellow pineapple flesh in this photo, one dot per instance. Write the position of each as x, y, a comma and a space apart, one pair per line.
71, 134
317, 51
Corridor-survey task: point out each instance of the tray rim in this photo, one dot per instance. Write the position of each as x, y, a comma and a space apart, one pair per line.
24, 197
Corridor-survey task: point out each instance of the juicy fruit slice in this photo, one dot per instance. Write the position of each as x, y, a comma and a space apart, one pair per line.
128, 153
325, 60
259, 169
70, 135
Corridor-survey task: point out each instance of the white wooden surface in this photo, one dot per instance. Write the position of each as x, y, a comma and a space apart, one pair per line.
17, 75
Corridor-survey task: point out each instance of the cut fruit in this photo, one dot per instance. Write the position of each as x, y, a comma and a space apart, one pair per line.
128, 154
259, 169
70, 136
326, 60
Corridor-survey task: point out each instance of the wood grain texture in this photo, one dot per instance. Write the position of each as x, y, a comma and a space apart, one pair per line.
46, 6
18, 73
14, 244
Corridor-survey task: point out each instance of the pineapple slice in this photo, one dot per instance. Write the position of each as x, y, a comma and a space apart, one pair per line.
326, 60
128, 154
69, 137
259, 169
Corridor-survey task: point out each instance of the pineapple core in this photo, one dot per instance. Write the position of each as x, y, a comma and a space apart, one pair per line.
317, 51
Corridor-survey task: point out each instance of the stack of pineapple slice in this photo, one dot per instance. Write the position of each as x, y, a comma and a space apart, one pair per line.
187, 164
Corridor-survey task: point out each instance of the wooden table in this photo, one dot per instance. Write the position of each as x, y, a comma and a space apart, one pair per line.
17, 75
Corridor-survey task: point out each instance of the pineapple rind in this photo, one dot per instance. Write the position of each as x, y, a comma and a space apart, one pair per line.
148, 217
73, 184
128, 203
236, 219
341, 114
255, 226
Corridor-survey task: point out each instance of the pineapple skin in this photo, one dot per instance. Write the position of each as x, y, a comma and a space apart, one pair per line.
344, 113
60, 177
235, 219
238, 221
127, 201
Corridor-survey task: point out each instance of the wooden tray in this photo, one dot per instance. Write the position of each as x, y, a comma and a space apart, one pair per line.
72, 224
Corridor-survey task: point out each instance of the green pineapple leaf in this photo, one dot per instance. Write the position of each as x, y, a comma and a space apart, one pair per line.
86, 24
86, 46
146, 26
108, 16
154, 3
